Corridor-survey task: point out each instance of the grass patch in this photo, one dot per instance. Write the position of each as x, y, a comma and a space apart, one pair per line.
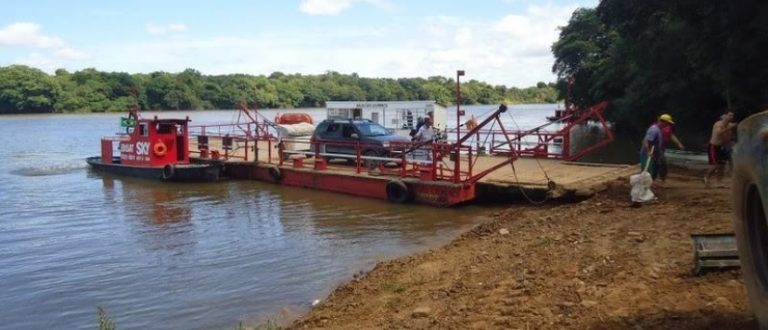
393, 287
546, 241
105, 322
269, 325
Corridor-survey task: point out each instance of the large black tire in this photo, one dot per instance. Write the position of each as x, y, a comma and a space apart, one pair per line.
750, 196
275, 174
168, 172
398, 192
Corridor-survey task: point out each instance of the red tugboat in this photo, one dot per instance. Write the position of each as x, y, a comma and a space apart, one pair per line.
153, 149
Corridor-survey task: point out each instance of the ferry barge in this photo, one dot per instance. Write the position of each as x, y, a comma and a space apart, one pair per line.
440, 172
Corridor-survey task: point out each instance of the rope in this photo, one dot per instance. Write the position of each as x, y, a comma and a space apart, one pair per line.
472, 138
546, 175
484, 142
550, 184
492, 109
522, 191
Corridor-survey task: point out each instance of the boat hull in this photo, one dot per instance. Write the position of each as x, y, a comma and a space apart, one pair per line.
687, 159
175, 173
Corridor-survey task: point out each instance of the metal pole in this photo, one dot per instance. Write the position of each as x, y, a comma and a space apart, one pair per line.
459, 113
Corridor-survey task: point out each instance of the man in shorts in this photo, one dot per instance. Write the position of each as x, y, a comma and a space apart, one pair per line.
720, 146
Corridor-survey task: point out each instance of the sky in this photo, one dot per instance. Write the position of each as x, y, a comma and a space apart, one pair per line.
502, 42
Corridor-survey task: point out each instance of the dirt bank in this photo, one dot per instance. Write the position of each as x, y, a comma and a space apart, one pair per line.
595, 264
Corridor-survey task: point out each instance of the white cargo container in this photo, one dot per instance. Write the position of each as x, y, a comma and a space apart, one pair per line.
394, 115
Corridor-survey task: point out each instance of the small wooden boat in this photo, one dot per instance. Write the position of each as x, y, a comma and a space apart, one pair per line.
687, 159
153, 149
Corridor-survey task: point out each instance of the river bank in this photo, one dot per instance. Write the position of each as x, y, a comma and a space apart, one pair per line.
595, 264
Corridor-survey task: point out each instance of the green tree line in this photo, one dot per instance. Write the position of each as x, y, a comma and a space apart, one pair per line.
693, 59
28, 90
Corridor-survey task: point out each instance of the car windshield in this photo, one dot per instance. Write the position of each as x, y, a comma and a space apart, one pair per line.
372, 129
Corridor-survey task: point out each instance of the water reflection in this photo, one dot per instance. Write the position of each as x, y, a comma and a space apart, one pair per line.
159, 213
154, 203
165, 209
182, 256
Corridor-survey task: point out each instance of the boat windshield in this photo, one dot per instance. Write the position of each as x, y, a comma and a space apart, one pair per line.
372, 129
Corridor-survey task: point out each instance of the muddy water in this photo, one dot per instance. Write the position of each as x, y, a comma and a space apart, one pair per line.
180, 256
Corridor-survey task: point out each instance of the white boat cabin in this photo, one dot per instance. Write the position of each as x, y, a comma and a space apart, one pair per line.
393, 115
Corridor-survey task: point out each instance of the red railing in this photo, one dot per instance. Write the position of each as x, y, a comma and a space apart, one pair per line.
422, 160
541, 142
234, 137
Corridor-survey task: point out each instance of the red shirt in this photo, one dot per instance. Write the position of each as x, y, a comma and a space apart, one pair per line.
666, 134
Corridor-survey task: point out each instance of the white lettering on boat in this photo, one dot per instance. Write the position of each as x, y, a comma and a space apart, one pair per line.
142, 148
126, 147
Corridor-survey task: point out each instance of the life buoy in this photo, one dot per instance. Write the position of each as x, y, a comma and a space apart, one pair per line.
160, 149
168, 171
275, 174
294, 118
397, 192
471, 123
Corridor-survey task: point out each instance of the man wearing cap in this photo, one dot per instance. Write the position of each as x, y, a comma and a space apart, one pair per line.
719, 146
668, 136
653, 146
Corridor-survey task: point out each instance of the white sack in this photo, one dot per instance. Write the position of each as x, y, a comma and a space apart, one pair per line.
293, 130
641, 187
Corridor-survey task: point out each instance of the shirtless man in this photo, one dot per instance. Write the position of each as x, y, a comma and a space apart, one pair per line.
719, 146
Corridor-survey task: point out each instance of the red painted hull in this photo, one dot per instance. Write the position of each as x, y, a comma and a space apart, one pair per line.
423, 192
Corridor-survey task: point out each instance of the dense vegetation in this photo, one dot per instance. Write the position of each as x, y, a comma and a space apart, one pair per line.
24, 90
691, 58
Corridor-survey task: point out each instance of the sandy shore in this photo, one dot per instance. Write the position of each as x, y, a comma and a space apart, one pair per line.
595, 264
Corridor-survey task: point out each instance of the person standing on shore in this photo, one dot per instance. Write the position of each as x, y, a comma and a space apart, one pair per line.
668, 136
653, 146
720, 146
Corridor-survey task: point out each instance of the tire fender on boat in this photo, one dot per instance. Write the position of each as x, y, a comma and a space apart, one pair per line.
397, 192
275, 173
168, 171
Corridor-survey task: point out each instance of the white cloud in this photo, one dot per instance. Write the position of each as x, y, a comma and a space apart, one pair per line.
29, 35
513, 50
335, 7
51, 52
165, 29
517, 25
70, 54
37, 60
381, 4
324, 7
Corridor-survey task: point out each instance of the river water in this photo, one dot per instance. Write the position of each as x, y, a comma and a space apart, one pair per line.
182, 256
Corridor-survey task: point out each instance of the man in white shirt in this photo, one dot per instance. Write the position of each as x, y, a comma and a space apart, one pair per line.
425, 133
424, 136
